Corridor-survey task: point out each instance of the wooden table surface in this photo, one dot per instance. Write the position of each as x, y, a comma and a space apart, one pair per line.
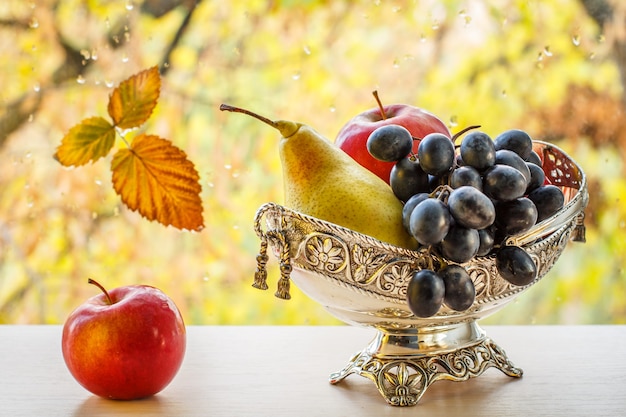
283, 371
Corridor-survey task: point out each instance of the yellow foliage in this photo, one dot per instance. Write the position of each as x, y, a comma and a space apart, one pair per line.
316, 62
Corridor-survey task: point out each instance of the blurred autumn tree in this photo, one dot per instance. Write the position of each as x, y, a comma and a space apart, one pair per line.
555, 68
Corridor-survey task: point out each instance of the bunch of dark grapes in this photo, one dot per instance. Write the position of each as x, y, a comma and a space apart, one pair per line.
465, 201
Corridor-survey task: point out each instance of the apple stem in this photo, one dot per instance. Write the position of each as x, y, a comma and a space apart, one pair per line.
97, 284
228, 107
380, 104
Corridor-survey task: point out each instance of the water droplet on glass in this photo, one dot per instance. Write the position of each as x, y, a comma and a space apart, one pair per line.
109, 83
422, 38
85, 53
296, 75
546, 51
396, 63
80, 79
130, 5
307, 50
454, 121
601, 38
37, 87
33, 23
124, 58
592, 55
31, 117
98, 182
94, 55
466, 18
228, 166
435, 26
205, 279
576, 40
332, 109
397, 9
503, 93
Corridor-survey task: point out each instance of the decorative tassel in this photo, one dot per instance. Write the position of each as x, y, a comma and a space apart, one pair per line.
260, 276
284, 283
282, 290
579, 232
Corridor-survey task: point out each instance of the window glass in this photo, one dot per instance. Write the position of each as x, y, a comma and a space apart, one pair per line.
555, 68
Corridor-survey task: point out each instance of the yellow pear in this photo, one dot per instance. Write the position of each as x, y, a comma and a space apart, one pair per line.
322, 181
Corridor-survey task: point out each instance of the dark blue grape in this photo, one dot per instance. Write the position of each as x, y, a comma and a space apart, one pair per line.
436, 154
515, 216
471, 208
408, 207
537, 177
436, 181
390, 143
534, 158
515, 265
460, 244
407, 178
459, 288
487, 241
510, 158
478, 151
430, 221
466, 175
548, 199
504, 183
425, 293
515, 140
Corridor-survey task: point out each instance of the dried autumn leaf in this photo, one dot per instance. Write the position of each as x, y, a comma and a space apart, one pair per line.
156, 179
89, 140
133, 101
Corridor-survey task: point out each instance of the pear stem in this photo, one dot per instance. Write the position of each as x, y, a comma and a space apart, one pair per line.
380, 104
228, 107
97, 284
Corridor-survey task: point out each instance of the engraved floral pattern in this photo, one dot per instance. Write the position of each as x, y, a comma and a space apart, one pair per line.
365, 260
396, 278
403, 384
324, 255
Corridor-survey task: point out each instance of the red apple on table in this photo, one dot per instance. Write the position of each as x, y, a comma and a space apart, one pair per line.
352, 137
125, 344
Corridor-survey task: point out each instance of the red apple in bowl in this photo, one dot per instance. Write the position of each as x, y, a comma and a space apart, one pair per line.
352, 137
124, 344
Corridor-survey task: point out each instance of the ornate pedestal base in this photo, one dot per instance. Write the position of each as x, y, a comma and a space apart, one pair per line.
404, 365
